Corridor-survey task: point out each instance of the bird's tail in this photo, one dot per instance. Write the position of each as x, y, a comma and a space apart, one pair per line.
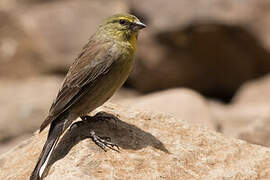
56, 129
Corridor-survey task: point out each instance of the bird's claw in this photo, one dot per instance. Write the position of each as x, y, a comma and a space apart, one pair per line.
103, 142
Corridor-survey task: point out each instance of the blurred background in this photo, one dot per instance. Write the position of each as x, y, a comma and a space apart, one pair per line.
204, 61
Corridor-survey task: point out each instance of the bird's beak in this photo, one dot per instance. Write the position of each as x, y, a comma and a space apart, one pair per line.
138, 25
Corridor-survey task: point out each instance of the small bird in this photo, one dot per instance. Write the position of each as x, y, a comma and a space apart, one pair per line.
100, 69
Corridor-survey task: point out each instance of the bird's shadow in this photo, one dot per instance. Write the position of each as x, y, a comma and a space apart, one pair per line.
125, 135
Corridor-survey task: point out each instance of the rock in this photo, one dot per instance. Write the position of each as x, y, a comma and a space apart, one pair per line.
11, 143
153, 145
180, 103
254, 92
212, 47
124, 94
248, 116
247, 122
25, 104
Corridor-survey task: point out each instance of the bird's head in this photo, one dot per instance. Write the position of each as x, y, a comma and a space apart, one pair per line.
123, 27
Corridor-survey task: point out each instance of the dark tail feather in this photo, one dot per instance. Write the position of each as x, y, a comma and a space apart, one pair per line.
56, 129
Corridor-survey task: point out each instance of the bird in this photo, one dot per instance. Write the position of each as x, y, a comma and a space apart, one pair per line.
100, 69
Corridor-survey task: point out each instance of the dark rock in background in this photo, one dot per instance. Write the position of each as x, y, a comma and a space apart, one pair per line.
212, 47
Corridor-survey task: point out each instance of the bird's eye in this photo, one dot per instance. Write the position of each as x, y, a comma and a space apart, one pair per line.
123, 22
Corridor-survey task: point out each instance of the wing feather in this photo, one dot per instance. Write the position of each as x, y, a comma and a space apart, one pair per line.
94, 61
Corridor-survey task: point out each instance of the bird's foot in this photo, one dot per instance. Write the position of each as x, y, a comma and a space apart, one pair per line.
103, 142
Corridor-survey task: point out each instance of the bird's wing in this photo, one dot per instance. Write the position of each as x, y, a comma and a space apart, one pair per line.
93, 62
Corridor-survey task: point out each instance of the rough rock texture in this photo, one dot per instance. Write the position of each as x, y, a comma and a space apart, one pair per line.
180, 103
210, 46
248, 117
153, 146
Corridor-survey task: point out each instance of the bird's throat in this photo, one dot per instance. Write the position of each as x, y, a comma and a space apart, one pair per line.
132, 39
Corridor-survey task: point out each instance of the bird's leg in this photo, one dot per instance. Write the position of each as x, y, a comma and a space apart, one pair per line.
102, 142
100, 116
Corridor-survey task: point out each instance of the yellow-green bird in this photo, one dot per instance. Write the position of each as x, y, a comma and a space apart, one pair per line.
100, 69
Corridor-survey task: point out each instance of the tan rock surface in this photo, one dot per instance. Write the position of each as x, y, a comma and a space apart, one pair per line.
181, 103
153, 146
249, 122
248, 117
124, 94
256, 91
24, 104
